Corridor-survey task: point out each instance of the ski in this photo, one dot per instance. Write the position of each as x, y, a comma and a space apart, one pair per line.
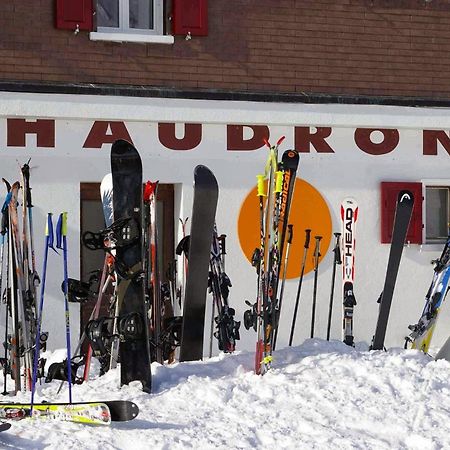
289, 165
134, 351
405, 203
422, 332
349, 216
206, 193
227, 329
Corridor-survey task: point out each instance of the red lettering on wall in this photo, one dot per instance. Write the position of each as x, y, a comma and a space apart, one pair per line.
236, 141
430, 139
364, 142
17, 129
192, 136
99, 134
304, 138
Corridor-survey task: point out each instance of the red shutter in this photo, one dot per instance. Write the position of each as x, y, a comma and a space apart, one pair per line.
389, 192
190, 16
74, 14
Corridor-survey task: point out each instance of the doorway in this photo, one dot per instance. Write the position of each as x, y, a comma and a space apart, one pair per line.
92, 219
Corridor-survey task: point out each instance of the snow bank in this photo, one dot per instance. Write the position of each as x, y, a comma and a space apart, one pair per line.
318, 395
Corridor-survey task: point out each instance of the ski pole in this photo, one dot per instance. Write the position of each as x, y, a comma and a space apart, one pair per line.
300, 282
337, 260
48, 244
316, 276
61, 243
290, 235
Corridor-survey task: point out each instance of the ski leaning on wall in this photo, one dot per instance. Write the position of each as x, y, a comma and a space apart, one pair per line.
349, 216
206, 192
403, 212
422, 331
134, 351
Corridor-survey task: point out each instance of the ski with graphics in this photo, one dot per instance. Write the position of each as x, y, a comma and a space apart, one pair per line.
349, 216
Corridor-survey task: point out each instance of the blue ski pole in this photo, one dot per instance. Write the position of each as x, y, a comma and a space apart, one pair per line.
61, 243
48, 244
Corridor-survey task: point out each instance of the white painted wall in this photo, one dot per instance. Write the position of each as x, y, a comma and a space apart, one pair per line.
56, 174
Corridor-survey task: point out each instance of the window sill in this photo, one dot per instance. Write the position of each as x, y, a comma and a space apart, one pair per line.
128, 37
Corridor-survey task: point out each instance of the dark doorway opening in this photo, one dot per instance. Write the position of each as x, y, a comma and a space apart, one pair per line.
92, 219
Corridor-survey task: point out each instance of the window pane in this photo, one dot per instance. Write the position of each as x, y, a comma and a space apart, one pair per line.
437, 212
108, 13
141, 14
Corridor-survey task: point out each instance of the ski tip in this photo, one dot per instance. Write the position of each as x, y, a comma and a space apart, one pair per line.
121, 146
204, 173
405, 197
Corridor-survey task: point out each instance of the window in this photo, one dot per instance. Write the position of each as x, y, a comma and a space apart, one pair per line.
130, 16
130, 20
437, 213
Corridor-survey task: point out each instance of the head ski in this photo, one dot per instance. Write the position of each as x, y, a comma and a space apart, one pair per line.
349, 216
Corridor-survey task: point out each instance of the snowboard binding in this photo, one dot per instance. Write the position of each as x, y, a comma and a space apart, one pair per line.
251, 316
58, 371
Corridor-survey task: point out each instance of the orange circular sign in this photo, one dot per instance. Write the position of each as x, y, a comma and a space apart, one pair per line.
308, 211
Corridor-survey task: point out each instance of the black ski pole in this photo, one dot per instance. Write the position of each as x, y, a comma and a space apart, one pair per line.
300, 281
290, 235
316, 276
337, 260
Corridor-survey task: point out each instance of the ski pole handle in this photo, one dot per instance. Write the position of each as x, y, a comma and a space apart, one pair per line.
337, 248
290, 233
307, 237
26, 175
222, 238
317, 248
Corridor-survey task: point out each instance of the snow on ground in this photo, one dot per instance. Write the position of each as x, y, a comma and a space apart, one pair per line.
321, 395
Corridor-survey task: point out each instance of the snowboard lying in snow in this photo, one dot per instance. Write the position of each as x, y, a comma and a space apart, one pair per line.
91, 413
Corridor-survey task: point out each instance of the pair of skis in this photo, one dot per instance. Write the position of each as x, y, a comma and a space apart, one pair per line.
275, 191
349, 215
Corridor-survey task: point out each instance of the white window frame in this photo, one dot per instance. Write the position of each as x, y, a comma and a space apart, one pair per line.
123, 33
443, 183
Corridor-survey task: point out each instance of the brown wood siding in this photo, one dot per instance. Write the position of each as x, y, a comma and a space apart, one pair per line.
397, 48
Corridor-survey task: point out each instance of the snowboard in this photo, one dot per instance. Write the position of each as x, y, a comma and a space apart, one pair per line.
206, 193
89, 413
134, 351
403, 212
106, 194
349, 216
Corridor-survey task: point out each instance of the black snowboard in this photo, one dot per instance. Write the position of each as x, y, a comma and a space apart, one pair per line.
405, 203
134, 352
206, 192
